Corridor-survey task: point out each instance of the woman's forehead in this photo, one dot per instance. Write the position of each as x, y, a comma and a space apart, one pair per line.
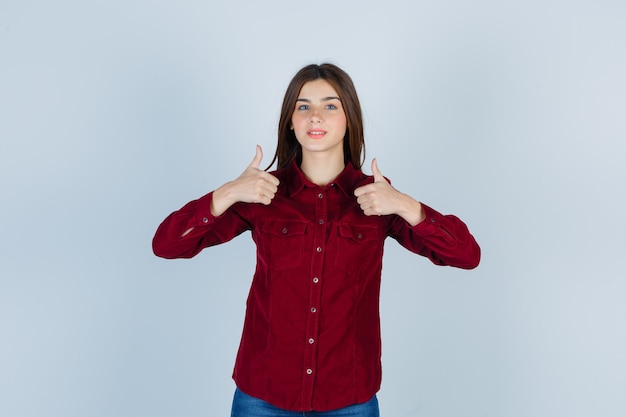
319, 88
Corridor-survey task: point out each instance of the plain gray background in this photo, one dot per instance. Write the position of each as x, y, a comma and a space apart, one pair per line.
509, 114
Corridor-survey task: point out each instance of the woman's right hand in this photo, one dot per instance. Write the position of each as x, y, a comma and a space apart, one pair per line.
253, 186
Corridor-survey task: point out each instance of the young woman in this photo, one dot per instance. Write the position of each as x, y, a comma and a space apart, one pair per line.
311, 338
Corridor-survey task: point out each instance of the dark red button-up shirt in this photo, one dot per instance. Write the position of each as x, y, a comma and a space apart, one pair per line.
311, 336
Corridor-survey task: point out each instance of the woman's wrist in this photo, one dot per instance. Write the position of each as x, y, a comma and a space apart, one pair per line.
411, 210
221, 200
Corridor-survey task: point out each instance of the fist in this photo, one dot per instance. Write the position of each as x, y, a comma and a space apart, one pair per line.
376, 198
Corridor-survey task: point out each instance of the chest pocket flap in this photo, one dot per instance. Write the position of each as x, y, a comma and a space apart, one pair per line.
281, 242
358, 233
284, 228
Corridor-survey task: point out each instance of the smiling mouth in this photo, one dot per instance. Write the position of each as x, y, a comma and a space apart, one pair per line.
316, 133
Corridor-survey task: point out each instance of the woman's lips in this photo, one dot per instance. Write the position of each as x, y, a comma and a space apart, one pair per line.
316, 134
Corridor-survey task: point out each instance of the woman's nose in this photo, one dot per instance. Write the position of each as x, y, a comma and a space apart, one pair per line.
316, 117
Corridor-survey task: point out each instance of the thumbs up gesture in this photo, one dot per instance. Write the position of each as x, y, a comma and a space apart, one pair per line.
380, 198
376, 198
253, 186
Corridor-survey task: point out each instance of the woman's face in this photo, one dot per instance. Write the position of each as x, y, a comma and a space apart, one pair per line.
318, 120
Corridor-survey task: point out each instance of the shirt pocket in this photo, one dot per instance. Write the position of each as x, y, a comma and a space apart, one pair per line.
281, 243
356, 246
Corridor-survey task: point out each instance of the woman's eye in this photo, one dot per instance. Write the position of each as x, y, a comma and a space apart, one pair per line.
331, 107
303, 107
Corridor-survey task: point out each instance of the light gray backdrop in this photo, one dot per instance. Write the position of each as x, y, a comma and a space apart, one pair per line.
509, 114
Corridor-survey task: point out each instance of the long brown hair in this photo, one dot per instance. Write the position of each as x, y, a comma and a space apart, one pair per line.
288, 147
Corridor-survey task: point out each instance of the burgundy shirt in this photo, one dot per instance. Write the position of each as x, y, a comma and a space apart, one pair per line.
311, 336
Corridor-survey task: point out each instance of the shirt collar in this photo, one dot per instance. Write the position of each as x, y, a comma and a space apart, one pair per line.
345, 181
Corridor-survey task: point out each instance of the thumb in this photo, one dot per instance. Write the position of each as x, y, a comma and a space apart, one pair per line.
256, 162
378, 177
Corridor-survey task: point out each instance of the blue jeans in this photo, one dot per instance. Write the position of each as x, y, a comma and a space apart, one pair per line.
247, 406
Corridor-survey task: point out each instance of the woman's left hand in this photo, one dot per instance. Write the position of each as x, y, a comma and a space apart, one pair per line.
380, 198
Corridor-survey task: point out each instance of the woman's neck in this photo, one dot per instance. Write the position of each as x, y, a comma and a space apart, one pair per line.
321, 169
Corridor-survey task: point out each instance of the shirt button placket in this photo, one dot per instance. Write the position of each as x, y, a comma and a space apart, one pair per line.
315, 292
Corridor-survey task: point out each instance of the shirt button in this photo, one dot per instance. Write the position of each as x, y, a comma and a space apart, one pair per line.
359, 236
205, 220
432, 220
313, 309
316, 280
311, 341
320, 195
321, 221
309, 371
319, 249
284, 230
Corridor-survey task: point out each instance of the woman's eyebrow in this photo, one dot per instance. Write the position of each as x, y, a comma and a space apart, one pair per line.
306, 100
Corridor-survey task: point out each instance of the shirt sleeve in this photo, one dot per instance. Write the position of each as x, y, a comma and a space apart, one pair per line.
185, 232
444, 239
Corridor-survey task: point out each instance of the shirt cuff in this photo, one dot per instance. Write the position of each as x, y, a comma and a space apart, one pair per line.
432, 221
203, 215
